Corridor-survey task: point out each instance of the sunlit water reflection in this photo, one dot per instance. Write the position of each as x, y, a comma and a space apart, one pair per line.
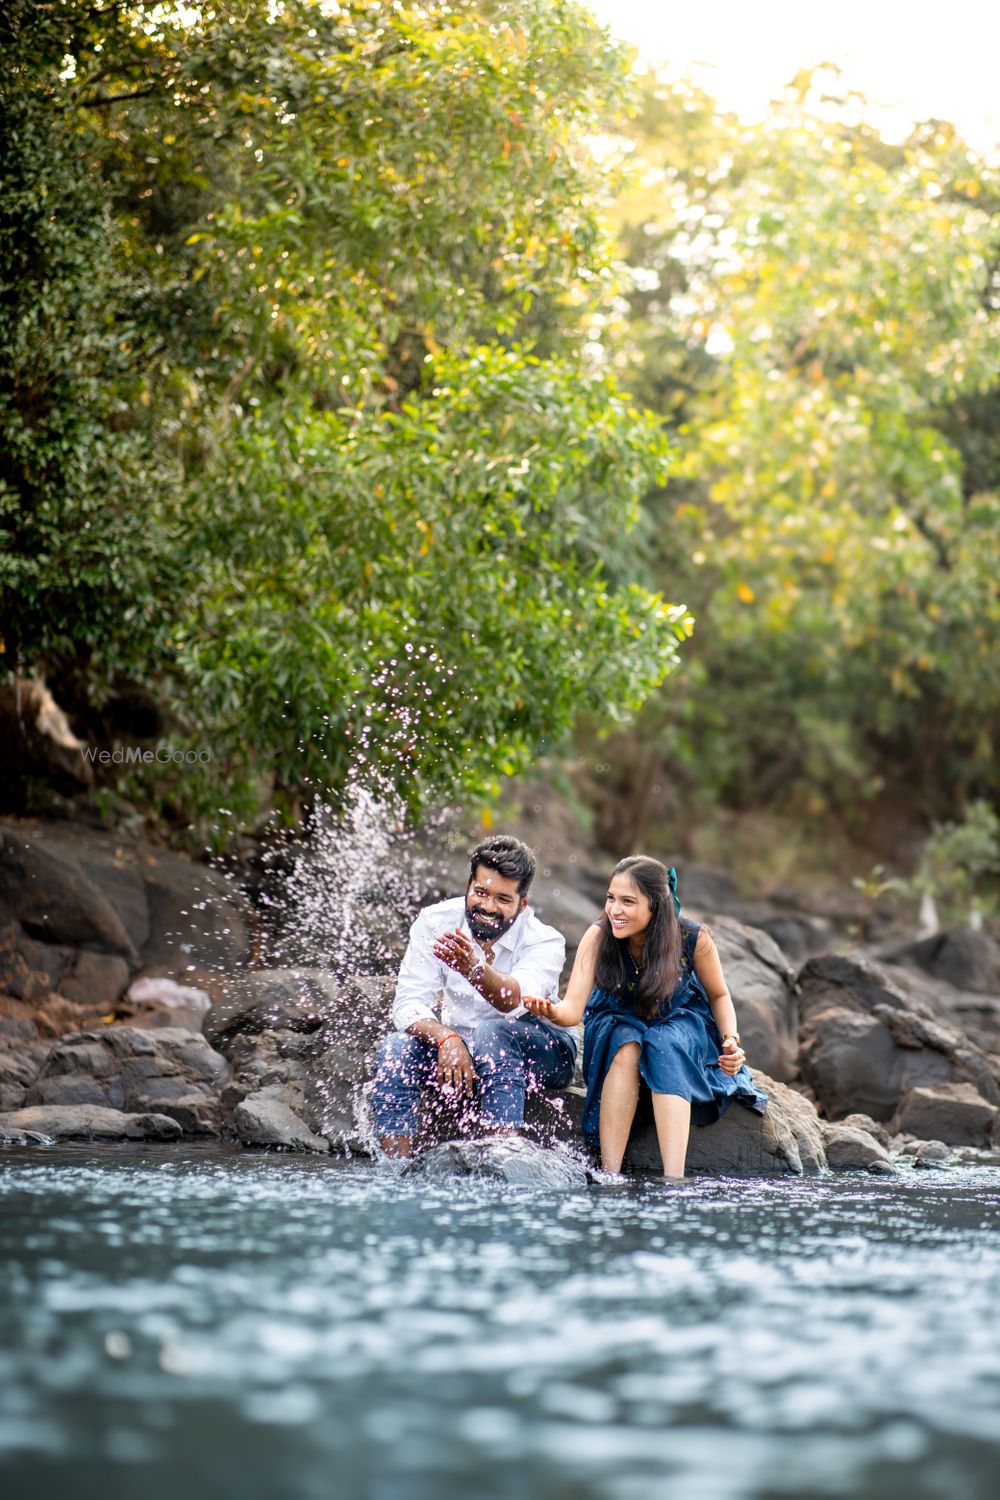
214, 1325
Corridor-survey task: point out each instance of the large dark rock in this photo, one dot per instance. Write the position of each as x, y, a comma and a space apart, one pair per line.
955, 1113
975, 1015
197, 918
272, 1000
798, 934
788, 1139
52, 898
170, 1072
865, 1041
21, 1061
965, 959
64, 889
763, 990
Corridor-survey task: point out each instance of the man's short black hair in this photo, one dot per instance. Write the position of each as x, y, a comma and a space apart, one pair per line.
508, 857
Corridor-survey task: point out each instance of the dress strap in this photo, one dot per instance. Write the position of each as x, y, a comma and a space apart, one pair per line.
692, 932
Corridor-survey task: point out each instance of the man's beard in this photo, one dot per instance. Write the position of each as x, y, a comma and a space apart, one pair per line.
486, 927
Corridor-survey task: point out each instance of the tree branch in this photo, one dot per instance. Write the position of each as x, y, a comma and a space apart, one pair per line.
99, 103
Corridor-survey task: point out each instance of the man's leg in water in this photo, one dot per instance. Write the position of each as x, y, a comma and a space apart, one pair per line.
406, 1064
510, 1055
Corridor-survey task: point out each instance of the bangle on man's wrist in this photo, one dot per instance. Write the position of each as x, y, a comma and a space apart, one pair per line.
446, 1036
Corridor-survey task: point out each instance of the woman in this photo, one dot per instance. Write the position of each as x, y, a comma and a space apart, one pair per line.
655, 1009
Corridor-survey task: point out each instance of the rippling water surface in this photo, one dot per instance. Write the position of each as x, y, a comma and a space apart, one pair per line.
210, 1325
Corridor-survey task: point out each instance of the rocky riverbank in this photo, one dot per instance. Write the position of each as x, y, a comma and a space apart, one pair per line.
131, 1006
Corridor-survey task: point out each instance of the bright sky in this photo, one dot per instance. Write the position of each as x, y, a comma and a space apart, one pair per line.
918, 58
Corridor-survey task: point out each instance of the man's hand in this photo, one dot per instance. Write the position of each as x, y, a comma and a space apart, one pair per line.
457, 951
455, 1070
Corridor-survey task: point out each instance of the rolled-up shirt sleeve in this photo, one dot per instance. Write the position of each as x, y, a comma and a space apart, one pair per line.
419, 983
540, 965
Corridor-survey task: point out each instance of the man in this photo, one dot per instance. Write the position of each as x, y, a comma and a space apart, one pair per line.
480, 953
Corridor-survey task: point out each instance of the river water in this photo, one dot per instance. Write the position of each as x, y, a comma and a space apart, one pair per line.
200, 1324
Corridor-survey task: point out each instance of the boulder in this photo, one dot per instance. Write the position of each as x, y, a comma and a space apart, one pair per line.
798, 934
870, 1127
268, 1118
20, 1063
965, 959
95, 979
971, 1012
196, 916
931, 1154
65, 888
88, 1122
849, 1149
272, 1000
503, 1159
865, 1041
955, 1113
304, 1029
53, 900
763, 990
788, 1139
169, 1072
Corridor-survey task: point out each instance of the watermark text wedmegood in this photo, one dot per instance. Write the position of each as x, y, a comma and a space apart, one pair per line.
134, 755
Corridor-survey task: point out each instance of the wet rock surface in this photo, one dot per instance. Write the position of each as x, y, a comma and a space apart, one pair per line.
169, 1072
504, 1159
269, 1118
64, 1122
787, 1140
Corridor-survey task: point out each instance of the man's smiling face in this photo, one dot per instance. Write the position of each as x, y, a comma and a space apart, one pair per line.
492, 904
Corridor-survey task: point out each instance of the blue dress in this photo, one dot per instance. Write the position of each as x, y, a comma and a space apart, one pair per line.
679, 1046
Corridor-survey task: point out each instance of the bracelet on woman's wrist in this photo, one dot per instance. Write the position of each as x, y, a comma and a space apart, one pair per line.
732, 1036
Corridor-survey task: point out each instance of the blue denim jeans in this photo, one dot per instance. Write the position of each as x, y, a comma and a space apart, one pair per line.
508, 1056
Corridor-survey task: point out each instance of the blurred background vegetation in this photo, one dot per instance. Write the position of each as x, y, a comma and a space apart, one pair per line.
372, 375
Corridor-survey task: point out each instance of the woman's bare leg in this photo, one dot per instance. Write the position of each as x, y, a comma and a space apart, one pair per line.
619, 1097
673, 1126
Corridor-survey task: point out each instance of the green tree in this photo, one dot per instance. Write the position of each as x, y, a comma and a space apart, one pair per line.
85, 499
357, 255
815, 311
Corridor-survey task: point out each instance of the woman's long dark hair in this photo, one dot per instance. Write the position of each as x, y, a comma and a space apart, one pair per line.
661, 954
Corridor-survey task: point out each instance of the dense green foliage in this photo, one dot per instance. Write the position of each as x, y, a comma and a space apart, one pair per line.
301, 434
311, 335
816, 313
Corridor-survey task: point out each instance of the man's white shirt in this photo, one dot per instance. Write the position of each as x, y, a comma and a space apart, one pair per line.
529, 951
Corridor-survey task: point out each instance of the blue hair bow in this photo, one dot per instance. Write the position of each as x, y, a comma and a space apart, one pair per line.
672, 882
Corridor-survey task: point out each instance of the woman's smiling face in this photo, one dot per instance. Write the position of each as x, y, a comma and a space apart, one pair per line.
628, 910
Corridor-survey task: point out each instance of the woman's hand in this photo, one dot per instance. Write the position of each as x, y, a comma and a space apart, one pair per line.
544, 1009
732, 1057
